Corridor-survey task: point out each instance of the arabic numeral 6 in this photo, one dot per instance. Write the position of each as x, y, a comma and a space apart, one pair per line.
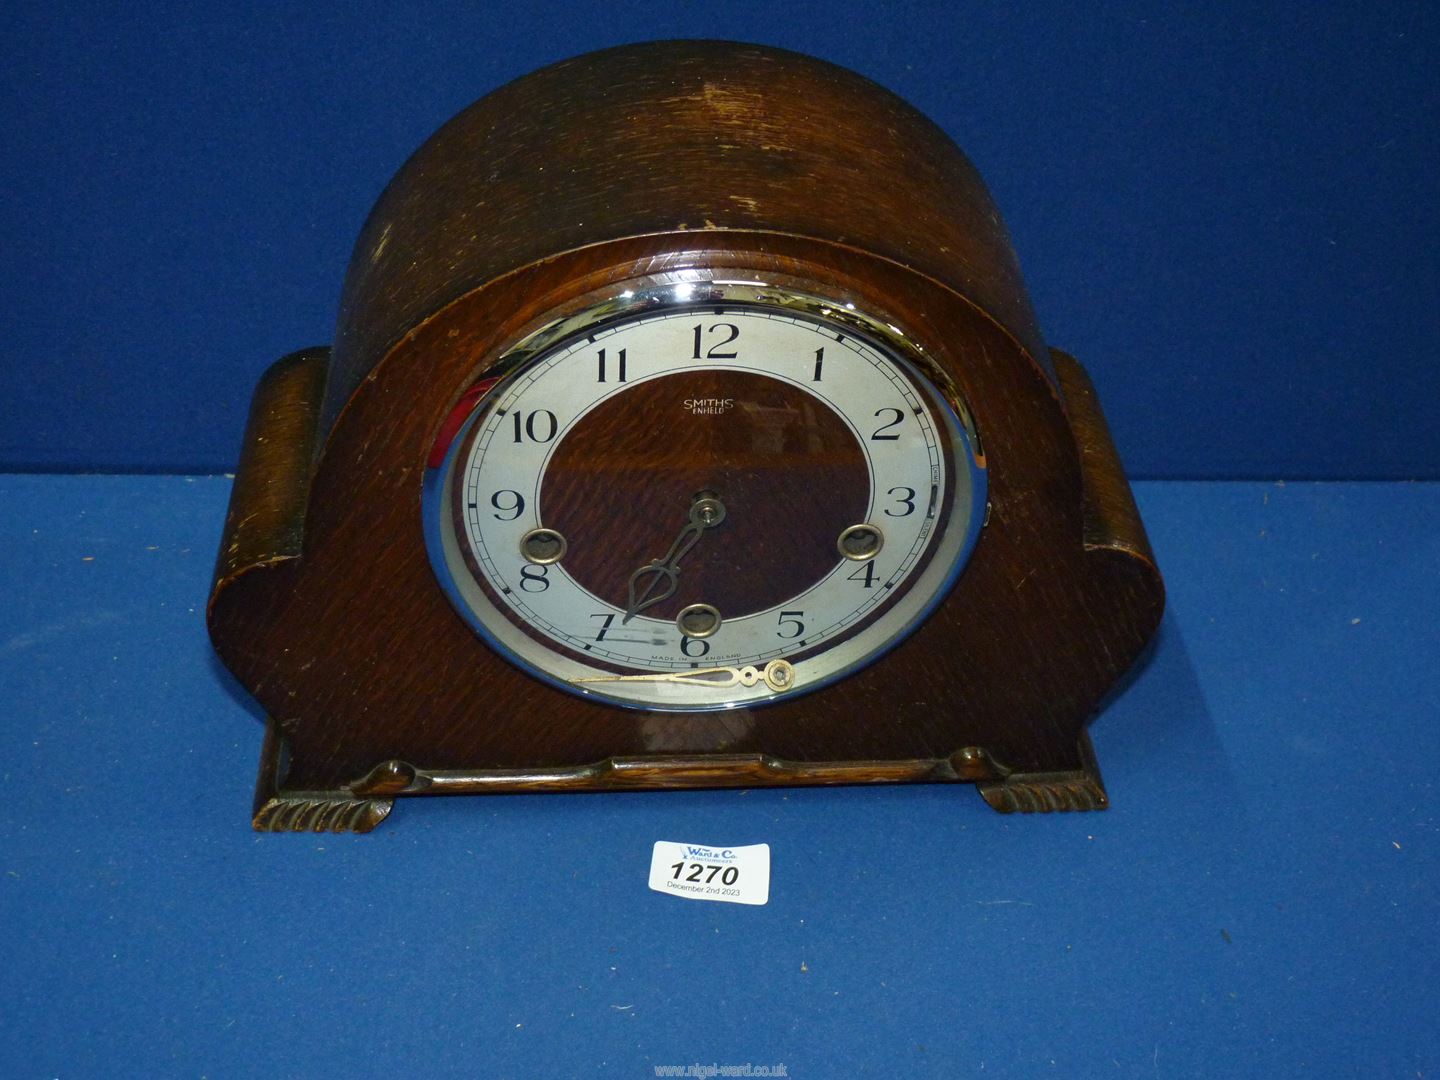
704, 873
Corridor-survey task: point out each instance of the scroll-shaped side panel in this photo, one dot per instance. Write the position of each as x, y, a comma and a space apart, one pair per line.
1112, 519
265, 524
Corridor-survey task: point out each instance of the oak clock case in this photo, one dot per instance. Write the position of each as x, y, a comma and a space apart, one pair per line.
742, 464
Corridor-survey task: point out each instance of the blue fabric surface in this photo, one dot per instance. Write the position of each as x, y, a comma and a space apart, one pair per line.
1261, 899
1226, 210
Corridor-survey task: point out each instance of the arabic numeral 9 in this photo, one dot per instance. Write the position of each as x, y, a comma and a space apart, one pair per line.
510, 503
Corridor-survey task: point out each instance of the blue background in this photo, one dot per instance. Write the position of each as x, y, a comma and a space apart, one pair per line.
1261, 900
1227, 210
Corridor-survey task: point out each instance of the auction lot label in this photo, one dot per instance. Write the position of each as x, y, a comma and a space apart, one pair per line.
733, 875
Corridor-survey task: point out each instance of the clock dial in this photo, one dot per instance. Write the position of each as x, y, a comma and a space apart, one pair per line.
703, 505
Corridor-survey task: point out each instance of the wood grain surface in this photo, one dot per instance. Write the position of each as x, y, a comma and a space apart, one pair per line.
670, 137
789, 472
353, 648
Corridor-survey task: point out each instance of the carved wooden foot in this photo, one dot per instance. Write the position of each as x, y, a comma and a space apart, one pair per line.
278, 810
1043, 792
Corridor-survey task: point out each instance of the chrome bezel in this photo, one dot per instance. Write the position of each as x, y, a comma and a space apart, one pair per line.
677, 292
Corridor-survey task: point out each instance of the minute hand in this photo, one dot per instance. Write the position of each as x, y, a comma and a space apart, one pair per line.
705, 513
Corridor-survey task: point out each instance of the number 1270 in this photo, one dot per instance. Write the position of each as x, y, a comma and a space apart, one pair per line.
728, 874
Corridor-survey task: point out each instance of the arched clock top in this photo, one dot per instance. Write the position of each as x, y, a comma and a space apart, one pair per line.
690, 137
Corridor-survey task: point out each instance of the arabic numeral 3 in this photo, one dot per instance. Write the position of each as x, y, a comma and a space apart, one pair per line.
907, 500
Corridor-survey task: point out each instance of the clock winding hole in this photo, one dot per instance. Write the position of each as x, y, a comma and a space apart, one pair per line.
698, 620
543, 546
861, 543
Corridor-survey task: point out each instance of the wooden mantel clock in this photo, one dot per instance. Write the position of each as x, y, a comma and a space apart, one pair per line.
687, 425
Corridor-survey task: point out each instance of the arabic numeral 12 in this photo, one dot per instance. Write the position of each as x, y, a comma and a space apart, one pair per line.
716, 343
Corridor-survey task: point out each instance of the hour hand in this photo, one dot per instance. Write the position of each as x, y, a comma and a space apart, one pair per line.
640, 599
706, 512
